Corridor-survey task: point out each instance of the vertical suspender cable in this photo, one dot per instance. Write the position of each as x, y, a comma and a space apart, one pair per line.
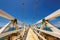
23, 6
36, 2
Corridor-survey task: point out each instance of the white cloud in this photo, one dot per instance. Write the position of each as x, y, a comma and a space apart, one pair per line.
57, 24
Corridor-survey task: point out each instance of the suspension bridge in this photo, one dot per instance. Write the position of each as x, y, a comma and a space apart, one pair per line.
30, 32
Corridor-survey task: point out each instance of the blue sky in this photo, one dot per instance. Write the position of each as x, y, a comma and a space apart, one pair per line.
29, 11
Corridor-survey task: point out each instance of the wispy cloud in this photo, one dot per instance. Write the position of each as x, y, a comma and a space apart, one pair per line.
56, 22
